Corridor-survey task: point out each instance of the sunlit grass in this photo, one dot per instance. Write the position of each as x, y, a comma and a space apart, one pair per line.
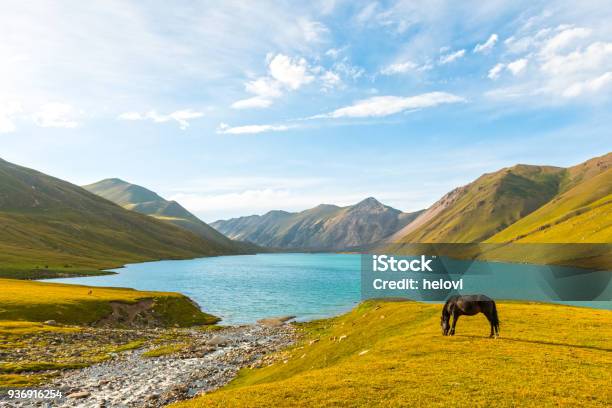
165, 350
75, 304
392, 354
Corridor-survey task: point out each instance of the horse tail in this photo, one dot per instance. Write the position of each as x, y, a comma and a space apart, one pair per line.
495, 318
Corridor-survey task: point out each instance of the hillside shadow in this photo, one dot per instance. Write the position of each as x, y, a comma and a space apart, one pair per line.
546, 343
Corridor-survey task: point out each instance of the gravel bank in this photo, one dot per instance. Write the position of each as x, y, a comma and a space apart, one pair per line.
209, 361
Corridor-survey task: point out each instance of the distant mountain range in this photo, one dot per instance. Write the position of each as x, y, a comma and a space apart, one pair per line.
519, 204
136, 198
49, 227
325, 227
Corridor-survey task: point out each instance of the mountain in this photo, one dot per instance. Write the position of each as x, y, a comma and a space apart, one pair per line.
48, 225
523, 204
580, 212
325, 227
136, 198
513, 202
477, 211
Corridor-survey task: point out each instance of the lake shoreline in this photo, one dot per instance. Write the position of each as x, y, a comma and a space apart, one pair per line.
243, 289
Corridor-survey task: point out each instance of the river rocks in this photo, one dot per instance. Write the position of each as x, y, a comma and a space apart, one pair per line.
217, 341
50, 323
78, 395
130, 380
275, 321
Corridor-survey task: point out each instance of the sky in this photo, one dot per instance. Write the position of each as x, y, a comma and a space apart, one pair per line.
240, 107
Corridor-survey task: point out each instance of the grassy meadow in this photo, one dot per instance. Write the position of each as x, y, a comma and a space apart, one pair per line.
83, 305
392, 354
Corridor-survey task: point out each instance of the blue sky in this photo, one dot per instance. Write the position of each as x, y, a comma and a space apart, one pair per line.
236, 108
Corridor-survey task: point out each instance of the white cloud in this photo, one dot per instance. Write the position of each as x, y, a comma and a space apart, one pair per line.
379, 106
495, 72
548, 40
519, 45
596, 56
182, 117
399, 68
265, 87
366, 13
331, 80
131, 116
284, 73
56, 114
487, 46
518, 66
591, 85
7, 116
453, 56
349, 71
313, 30
61, 52
291, 72
250, 129
565, 38
250, 103
564, 60
584, 71
333, 52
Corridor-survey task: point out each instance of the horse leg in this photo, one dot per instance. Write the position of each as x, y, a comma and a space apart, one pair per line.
488, 315
455, 318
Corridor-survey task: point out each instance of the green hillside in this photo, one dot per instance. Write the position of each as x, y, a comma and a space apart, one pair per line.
139, 199
324, 227
49, 227
582, 212
386, 354
480, 209
523, 205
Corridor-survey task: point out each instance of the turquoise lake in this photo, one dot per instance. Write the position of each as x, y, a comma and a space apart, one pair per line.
245, 288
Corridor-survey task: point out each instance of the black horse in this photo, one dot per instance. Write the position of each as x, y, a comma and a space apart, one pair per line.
469, 305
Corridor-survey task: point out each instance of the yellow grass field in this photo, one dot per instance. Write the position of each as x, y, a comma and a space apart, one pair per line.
75, 304
393, 355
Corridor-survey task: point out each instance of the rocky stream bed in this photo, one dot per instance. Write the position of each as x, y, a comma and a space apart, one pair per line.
205, 361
